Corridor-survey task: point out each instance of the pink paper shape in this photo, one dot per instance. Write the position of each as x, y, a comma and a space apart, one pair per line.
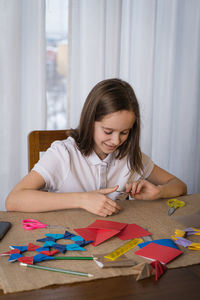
100, 231
132, 231
158, 252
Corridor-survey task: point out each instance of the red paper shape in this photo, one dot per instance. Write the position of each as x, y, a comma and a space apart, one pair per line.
50, 252
100, 231
26, 260
158, 252
10, 252
159, 268
132, 231
32, 247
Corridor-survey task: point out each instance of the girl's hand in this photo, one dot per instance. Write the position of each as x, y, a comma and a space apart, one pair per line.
143, 190
98, 203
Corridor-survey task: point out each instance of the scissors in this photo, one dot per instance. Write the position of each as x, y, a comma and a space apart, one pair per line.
31, 224
174, 204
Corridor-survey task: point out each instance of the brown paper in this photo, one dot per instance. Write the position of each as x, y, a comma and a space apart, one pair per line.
142, 270
151, 215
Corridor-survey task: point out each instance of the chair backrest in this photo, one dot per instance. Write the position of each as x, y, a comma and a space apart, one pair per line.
40, 140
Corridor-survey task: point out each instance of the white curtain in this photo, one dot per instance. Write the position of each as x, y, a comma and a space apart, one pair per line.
22, 85
155, 46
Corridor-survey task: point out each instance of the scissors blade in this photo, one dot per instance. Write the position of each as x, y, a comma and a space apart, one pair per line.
171, 210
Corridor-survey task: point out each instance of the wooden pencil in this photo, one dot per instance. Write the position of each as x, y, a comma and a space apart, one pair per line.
57, 270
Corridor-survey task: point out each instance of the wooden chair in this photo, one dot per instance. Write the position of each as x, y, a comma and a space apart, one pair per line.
40, 140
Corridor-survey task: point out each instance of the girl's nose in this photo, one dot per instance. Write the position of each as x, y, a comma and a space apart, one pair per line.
116, 139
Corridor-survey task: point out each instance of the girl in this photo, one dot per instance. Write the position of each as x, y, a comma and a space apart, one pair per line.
100, 156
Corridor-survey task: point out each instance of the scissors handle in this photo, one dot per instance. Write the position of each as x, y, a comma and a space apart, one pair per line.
31, 224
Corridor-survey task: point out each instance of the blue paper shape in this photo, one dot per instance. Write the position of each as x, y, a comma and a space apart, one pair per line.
56, 236
74, 247
14, 256
61, 248
49, 244
20, 248
83, 243
41, 257
77, 238
49, 238
163, 242
42, 249
68, 235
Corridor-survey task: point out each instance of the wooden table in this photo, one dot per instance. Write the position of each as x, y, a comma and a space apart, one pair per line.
177, 283
181, 283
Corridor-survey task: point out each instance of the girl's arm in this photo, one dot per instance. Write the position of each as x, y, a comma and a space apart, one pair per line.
160, 184
28, 197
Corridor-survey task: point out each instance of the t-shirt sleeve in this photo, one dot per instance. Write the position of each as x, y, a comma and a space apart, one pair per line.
148, 165
54, 165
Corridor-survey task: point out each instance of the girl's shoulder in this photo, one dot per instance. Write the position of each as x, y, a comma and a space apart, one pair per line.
68, 144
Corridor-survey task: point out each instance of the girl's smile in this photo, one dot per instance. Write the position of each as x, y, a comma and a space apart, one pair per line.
112, 131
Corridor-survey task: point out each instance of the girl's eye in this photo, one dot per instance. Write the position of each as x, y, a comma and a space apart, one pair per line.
108, 132
125, 133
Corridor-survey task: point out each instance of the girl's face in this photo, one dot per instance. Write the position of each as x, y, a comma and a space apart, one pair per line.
112, 131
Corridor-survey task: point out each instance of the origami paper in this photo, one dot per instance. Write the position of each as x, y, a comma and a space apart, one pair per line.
44, 252
49, 252
164, 242
132, 231
158, 252
32, 247
100, 231
49, 244
142, 270
192, 230
56, 236
75, 247
159, 269
21, 248
41, 257
13, 257
26, 260
61, 248
183, 242
194, 246
49, 238
10, 252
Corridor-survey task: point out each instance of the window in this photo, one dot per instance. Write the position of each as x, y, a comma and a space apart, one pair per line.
56, 62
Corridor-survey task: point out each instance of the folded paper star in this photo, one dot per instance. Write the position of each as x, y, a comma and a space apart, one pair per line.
45, 253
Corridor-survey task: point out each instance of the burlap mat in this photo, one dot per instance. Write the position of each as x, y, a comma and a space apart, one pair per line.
151, 215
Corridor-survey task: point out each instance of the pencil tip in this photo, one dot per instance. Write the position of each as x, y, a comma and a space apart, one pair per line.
90, 275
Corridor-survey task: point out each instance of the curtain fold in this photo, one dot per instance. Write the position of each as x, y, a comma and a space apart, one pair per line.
155, 46
22, 85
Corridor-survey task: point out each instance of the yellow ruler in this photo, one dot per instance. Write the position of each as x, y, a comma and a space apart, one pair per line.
123, 249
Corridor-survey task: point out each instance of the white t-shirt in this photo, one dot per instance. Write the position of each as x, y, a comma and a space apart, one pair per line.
65, 169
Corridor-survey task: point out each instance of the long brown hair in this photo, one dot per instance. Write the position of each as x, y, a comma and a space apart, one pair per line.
106, 97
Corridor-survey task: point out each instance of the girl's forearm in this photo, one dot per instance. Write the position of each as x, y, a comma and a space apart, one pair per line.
40, 201
173, 188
